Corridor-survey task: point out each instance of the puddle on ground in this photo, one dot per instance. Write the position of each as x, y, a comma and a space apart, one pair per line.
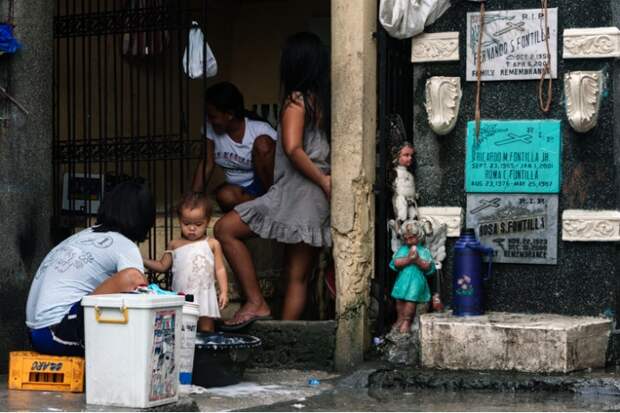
441, 400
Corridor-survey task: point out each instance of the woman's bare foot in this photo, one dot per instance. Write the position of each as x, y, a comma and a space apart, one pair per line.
247, 311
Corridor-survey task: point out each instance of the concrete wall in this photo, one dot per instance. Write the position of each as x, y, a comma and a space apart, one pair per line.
585, 279
25, 167
354, 110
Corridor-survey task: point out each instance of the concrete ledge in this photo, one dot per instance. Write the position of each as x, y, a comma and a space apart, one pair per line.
294, 344
522, 342
598, 382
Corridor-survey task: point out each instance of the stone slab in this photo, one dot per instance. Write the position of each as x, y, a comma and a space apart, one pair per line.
538, 343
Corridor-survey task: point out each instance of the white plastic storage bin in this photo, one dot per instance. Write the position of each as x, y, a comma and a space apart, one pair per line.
132, 349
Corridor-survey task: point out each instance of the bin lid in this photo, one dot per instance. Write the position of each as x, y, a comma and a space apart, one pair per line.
130, 300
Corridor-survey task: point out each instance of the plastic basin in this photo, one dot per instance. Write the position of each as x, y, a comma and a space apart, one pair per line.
220, 358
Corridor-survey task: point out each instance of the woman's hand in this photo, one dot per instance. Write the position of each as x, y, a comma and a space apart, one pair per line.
223, 299
326, 185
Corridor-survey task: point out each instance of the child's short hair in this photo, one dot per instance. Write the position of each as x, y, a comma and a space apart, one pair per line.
193, 200
129, 209
413, 227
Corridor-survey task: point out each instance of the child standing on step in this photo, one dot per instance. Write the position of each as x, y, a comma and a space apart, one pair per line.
196, 260
413, 261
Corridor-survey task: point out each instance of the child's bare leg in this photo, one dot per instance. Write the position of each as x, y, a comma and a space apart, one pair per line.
206, 324
408, 314
400, 308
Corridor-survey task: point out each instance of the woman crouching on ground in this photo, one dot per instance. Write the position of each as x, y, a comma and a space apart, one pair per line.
103, 259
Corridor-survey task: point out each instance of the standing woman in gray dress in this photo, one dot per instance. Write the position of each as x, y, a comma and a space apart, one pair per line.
295, 210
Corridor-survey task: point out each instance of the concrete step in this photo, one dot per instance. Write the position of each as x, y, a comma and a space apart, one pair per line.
539, 343
294, 344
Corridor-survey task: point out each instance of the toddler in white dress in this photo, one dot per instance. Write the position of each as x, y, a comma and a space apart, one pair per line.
196, 260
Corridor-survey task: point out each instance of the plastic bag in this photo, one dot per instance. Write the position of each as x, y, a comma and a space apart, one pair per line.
193, 58
8, 43
406, 18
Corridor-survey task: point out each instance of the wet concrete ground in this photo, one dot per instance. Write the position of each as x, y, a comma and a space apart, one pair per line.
439, 400
289, 390
261, 387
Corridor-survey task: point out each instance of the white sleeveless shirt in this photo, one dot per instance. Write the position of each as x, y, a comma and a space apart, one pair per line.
193, 272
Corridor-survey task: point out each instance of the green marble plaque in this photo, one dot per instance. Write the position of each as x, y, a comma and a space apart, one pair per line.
513, 156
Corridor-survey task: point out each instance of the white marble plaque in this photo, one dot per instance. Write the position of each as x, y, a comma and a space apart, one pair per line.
521, 228
513, 44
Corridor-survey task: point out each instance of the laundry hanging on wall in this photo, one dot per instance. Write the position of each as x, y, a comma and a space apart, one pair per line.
145, 43
406, 18
193, 58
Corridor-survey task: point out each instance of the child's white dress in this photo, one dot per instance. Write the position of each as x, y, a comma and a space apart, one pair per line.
193, 268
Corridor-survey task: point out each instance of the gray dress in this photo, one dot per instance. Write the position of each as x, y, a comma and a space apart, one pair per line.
294, 209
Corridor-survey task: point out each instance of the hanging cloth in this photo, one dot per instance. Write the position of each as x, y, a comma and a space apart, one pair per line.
193, 58
406, 18
145, 43
8, 43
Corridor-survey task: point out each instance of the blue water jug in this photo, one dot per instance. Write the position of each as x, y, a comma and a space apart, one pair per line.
467, 278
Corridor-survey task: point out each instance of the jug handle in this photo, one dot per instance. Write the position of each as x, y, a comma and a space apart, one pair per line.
489, 253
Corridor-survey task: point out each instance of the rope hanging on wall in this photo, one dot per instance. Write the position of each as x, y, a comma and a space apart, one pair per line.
546, 106
11, 17
478, 71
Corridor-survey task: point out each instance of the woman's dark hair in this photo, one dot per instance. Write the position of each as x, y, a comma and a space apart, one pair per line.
225, 97
304, 68
128, 208
193, 200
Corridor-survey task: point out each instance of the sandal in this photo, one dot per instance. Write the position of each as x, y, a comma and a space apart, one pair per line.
245, 323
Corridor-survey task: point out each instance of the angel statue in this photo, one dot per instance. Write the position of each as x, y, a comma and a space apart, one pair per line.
419, 257
432, 236
404, 200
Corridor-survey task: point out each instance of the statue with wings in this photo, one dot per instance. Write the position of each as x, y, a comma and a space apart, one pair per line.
404, 203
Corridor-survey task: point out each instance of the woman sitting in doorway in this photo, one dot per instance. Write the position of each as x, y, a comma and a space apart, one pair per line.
238, 142
295, 210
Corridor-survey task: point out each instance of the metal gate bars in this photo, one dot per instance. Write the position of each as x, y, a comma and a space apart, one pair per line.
123, 106
395, 92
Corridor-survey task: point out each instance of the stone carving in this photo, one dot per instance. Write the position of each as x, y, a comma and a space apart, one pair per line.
435, 47
443, 99
411, 233
580, 225
451, 216
583, 92
590, 43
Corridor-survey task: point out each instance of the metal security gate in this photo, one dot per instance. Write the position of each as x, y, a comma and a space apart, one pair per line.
123, 107
395, 92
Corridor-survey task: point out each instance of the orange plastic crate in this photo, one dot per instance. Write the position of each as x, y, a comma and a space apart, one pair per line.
33, 371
